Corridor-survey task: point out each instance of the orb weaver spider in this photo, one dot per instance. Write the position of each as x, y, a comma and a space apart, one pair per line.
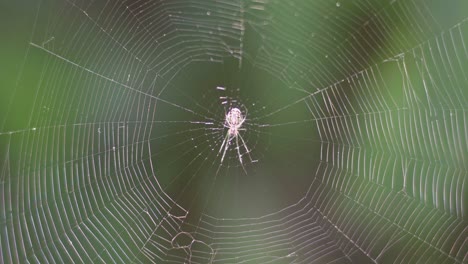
233, 122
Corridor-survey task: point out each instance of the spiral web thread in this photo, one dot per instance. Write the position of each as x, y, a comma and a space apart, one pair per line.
78, 183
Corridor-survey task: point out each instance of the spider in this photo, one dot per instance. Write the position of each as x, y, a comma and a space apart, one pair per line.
233, 122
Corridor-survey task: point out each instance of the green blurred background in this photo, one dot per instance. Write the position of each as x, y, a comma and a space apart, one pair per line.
109, 97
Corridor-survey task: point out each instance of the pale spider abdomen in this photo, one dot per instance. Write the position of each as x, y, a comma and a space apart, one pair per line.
234, 120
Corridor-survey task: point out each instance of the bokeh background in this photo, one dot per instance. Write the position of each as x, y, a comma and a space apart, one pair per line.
111, 126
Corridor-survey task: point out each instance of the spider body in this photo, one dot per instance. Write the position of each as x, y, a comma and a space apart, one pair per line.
233, 122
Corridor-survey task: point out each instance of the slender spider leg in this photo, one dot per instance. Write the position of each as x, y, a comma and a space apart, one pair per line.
238, 150
238, 153
226, 144
246, 149
220, 149
222, 145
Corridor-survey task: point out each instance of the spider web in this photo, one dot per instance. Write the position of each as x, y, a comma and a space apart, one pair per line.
356, 121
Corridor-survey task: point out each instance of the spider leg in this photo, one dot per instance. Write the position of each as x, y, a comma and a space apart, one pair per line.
246, 149
226, 145
238, 153
238, 149
222, 145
